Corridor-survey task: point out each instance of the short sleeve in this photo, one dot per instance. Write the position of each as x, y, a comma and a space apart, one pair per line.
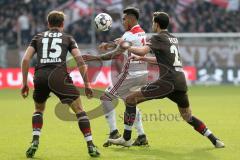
72, 44
33, 42
155, 42
128, 36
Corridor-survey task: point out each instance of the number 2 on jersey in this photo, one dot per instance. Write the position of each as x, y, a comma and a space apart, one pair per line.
174, 50
55, 45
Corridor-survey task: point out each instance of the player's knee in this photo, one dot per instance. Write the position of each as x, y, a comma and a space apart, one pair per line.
76, 106
39, 107
130, 100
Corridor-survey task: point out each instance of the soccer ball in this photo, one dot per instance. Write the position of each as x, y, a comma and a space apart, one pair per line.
103, 21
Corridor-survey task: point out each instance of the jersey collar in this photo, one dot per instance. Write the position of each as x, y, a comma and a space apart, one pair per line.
137, 25
54, 29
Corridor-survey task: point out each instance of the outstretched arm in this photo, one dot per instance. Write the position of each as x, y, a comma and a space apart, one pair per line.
111, 54
140, 51
151, 60
107, 56
105, 46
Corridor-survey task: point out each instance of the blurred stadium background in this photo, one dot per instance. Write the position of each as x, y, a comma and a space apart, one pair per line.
208, 31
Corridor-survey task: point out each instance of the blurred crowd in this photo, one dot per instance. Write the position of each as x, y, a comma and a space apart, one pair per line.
27, 17
200, 16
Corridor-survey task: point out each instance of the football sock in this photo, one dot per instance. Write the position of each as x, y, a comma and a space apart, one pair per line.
198, 125
212, 138
110, 114
138, 123
202, 129
84, 125
37, 122
129, 118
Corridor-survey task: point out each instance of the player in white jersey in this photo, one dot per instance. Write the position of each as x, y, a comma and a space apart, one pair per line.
134, 74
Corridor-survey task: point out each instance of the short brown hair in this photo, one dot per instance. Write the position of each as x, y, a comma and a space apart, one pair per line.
162, 19
55, 18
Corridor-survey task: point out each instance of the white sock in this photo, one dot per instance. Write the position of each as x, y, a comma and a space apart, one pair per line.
36, 133
207, 133
138, 123
110, 114
88, 138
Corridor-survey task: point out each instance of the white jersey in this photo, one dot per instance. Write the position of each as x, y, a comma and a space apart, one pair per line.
138, 38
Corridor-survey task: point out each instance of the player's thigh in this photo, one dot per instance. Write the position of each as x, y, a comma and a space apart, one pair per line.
180, 98
157, 90
61, 84
131, 84
112, 89
41, 90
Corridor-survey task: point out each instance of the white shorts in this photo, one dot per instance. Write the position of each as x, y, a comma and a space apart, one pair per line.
126, 84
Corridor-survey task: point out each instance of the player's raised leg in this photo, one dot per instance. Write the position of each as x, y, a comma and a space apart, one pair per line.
181, 98
84, 126
37, 123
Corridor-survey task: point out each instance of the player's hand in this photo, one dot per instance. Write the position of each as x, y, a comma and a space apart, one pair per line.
103, 47
125, 44
89, 57
106, 46
117, 41
88, 92
24, 91
135, 58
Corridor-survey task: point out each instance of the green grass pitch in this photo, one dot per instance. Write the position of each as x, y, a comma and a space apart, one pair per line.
170, 139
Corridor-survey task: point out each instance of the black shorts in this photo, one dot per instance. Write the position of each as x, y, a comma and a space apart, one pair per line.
163, 88
56, 80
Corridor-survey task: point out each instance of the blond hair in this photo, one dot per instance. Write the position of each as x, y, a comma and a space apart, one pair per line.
55, 18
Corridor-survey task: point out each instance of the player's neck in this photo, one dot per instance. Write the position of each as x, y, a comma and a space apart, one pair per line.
161, 30
56, 28
133, 25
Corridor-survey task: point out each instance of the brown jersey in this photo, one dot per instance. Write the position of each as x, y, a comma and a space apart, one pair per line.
165, 47
51, 74
52, 47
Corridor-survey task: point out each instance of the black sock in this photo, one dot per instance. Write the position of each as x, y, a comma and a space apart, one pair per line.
84, 125
198, 125
212, 138
129, 118
37, 122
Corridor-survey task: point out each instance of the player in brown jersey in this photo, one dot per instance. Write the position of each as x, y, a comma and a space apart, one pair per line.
51, 48
171, 82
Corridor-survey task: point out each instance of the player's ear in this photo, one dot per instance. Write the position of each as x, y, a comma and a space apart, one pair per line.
62, 25
49, 26
158, 26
